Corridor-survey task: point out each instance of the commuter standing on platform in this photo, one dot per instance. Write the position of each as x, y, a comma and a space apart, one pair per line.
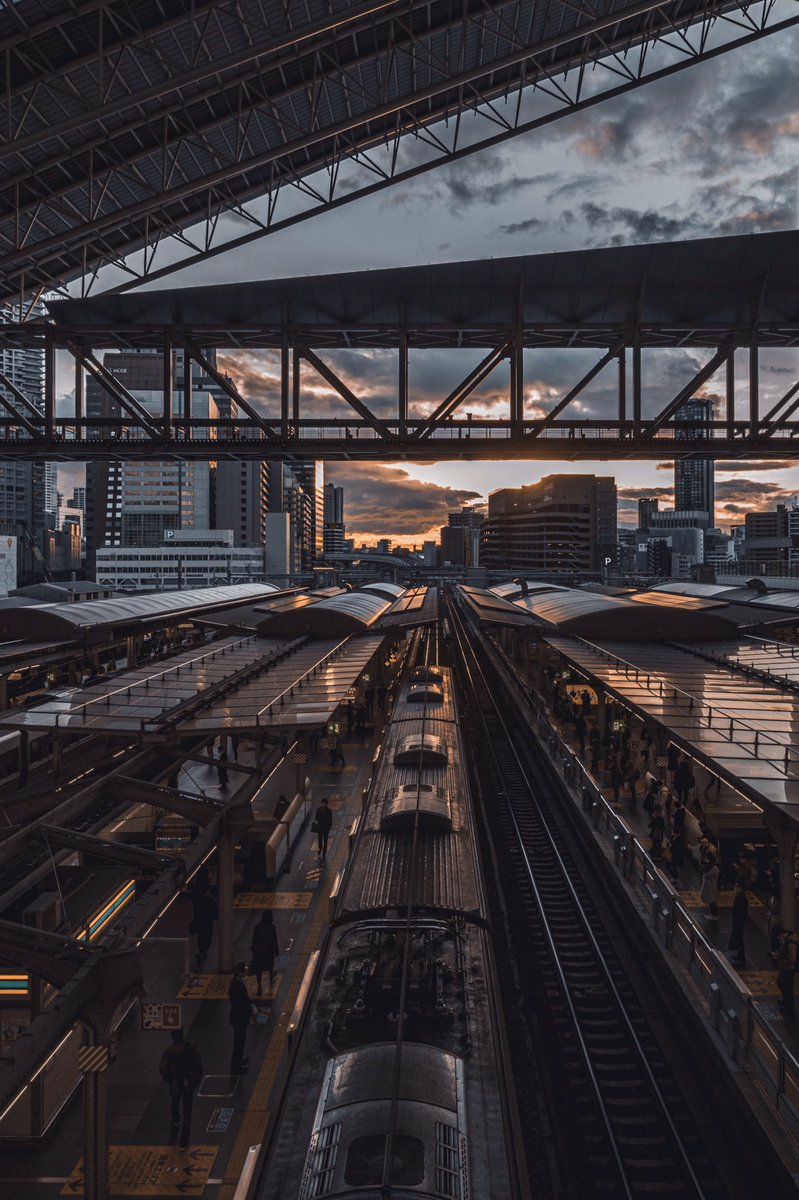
204, 913
240, 1014
580, 730
382, 692
336, 754
740, 915
683, 779
264, 948
182, 1068
369, 699
710, 884
324, 821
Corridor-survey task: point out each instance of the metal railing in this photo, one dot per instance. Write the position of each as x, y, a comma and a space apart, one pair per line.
727, 1002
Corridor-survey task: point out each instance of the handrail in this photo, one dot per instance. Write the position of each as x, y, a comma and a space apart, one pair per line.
746, 1033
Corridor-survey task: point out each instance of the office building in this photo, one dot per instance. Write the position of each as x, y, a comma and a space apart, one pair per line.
277, 556
334, 528
185, 558
694, 485
564, 524
28, 490
460, 537
309, 474
242, 500
134, 503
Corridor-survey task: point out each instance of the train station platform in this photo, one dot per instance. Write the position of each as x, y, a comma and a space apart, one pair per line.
231, 1113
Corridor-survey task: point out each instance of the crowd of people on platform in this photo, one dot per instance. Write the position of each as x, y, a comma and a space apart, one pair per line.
622, 762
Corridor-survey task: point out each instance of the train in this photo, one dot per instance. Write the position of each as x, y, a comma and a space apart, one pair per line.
423, 1106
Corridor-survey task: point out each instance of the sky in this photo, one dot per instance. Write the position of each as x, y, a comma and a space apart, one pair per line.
710, 151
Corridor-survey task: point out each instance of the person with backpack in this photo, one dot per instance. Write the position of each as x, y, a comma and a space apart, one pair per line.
182, 1069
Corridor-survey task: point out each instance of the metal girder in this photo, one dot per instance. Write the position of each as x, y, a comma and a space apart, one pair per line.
573, 393
690, 389
49, 956
229, 388
463, 390
380, 427
201, 809
87, 843
232, 764
167, 141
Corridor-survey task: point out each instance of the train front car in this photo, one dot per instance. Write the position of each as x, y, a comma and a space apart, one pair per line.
423, 1106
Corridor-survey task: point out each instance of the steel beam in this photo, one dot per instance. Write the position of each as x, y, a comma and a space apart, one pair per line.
345, 392
688, 391
87, 843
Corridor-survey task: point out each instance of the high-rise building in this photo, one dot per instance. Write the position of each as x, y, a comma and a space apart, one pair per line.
334, 528
694, 482
242, 500
309, 473
134, 503
28, 490
646, 507
460, 537
564, 524
300, 507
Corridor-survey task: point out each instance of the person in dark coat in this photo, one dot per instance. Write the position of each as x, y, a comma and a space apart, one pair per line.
683, 779
382, 692
264, 948
740, 915
324, 821
221, 769
369, 699
349, 710
580, 730
240, 1013
677, 854
182, 1068
204, 913
616, 778
672, 759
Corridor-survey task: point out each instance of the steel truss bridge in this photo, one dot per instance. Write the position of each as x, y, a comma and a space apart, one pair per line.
146, 135
728, 300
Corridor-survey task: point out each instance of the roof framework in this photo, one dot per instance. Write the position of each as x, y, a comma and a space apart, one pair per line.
173, 131
731, 299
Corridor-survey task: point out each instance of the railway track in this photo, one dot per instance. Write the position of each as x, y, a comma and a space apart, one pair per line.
629, 1123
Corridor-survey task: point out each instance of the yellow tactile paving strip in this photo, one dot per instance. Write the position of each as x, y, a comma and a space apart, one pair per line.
215, 987
761, 983
693, 899
152, 1171
273, 900
254, 1126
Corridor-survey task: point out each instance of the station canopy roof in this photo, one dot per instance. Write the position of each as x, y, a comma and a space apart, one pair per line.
744, 726
418, 606
596, 614
336, 616
97, 620
383, 588
244, 684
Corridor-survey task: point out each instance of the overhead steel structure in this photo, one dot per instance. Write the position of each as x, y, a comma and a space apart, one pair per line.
173, 131
729, 299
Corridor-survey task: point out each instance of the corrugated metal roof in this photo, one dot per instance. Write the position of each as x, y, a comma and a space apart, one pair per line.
76, 620
392, 590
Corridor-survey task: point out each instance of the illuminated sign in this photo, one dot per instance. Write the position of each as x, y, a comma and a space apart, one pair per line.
99, 922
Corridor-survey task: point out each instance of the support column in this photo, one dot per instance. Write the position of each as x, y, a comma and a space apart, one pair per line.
96, 1185
754, 390
730, 394
786, 837
49, 386
637, 389
622, 386
24, 758
79, 407
224, 862
131, 651
168, 388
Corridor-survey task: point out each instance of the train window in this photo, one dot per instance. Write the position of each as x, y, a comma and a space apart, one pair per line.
364, 1166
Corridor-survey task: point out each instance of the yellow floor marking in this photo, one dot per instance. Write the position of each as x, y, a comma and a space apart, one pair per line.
693, 899
215, 987
152, 1171
272, 900
761, 983
255, 1124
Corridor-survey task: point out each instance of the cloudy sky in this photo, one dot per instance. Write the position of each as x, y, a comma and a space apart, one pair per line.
707, 152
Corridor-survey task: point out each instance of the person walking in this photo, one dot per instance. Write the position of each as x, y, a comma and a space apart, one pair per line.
323, 821
710, 886
382, 692
221, 769
240, 1013
264, 948
349, 712
182, 1069
369, 699
672, 760
631, 781
786, 967
595, 751
657, 831
585, 700
234, 746
580, 730
204, 913
740, 915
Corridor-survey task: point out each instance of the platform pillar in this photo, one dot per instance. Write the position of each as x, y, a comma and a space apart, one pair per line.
786, 838
224, 859
96, 1184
